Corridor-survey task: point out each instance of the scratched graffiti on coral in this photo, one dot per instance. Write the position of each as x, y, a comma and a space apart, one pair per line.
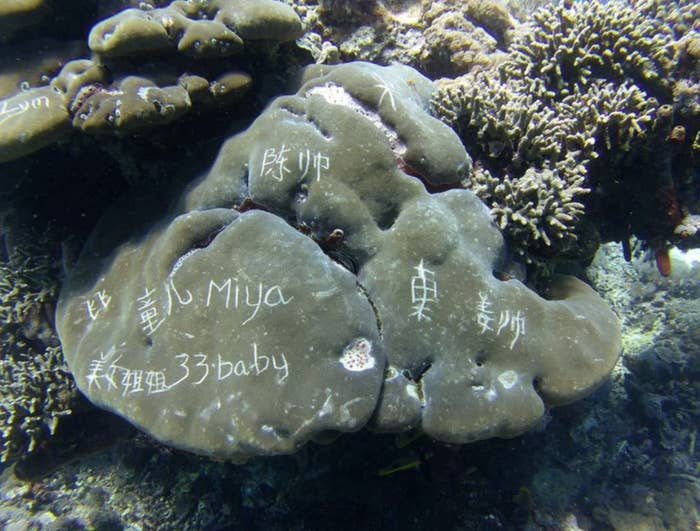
278, 163
508, 320
106, 372
154, 305
11, 109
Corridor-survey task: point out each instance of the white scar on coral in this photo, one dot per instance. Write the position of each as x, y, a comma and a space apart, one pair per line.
357, 356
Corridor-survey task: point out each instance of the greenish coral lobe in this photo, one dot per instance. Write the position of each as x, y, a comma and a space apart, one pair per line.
113, 94
214, 28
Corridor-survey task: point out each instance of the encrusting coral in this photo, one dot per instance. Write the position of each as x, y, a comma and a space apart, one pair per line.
438, 38
149, 68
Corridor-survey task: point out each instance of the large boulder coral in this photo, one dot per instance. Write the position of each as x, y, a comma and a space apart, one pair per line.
312, 283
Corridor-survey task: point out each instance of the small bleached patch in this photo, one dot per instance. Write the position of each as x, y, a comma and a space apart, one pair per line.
412, 391
508, 379
207, 412
357, 356
337, 95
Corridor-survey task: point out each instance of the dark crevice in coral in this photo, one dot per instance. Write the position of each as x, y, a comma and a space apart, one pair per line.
322, 131
208, 239
375, 309
419, 392
500, 275
386, 219
302, 194
537, 385
417, 374
305, 116
344, 259
294, 112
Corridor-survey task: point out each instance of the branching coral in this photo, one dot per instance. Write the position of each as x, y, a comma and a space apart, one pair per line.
578, 96
571, 45
540, 206
36, 388
518, 137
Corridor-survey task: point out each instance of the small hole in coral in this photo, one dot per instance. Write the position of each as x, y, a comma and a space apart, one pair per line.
386, 219
303, 194
283, 433
500, 275
537, 383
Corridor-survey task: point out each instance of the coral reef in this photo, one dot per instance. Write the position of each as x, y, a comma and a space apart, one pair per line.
274, 342
592, 144
617, 458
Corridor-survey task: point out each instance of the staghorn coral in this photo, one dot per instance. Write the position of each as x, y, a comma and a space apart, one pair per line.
572, 44
37, 391
538, 207
579, 94
681, 15
519, 136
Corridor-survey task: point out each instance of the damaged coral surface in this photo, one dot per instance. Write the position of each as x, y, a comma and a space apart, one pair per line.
265, 237
228, 329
